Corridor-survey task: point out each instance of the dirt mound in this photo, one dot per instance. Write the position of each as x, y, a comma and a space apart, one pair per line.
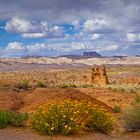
110, 97
10, 101
42, 95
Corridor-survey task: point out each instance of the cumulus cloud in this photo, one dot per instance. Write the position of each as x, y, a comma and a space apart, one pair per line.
12, 46
19, 49
14, 49
33, 29
17, 24
98, 26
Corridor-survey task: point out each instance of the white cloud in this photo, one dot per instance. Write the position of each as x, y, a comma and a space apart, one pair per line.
33, 29
34, 35
14, 49
78, 46
57, 31
76, 25
98, 26
17, 24
95, 36
12, 46
19, 49
113, 47
36, 48
91, 25
133, 37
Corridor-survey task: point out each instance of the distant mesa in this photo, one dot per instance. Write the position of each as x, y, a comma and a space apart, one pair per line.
85, 55
91, 54
70, 56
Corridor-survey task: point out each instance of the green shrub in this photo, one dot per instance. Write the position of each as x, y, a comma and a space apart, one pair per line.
67, 86
12, 118
117, 109
40, 84
24, 84
70, 117
19, 119
137, 99
132, 116
86, 86
72, 85
5, 118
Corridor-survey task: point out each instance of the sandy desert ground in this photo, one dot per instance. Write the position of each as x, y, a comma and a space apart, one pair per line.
123, 74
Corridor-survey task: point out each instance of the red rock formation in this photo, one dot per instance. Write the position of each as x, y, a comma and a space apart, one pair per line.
104, 77
98, 77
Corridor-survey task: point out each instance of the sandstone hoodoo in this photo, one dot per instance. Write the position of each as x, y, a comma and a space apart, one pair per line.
99, 77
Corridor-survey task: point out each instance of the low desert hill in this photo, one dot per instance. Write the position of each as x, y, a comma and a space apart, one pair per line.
67, 60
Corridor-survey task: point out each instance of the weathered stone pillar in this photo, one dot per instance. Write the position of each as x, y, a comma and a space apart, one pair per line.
104, 76
98, 77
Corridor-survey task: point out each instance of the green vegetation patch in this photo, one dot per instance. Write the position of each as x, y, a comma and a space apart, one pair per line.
12, 118
132, 116
70, 117
24, 84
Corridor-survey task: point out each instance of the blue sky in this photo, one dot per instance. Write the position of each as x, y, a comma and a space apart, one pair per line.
58, 27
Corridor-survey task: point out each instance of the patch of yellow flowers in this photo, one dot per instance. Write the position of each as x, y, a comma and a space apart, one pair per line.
69, 116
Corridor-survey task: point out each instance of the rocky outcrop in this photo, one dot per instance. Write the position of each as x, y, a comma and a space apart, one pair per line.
99, 77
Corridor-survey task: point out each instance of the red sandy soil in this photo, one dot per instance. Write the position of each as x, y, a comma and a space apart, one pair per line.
27, 134
42, 95
27, 101
110, 97
30, 99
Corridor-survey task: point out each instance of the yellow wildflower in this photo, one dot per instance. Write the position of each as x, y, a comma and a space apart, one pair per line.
52, 128
66, 126
69, 128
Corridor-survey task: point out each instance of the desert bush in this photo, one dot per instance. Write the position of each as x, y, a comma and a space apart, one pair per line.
5, 118
132, 116
86, 86
72, 85
69, 117
117, 109
24, 84
63, 86
67, 86
137, 100
12, 118
40, 84
19, 119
